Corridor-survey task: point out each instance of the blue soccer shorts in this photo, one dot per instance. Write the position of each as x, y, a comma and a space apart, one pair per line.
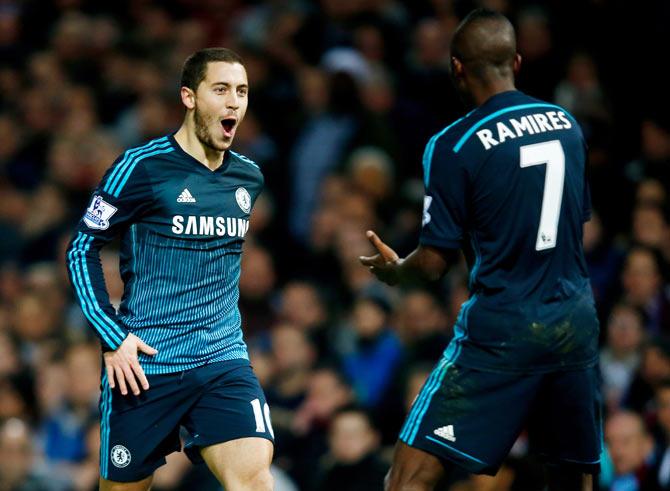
472, 418
215, 403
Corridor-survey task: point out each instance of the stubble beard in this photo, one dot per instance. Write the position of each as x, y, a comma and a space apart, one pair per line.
203, 134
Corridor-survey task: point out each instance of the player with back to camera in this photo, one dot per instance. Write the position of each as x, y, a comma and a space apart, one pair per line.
505, 184
174, 354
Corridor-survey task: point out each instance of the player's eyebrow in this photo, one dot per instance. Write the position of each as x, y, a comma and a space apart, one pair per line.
228, 84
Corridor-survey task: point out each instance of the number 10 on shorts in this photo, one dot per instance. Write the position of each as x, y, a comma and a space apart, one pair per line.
260, 415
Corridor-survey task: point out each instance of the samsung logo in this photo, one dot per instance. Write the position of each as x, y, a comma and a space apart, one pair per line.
203, 225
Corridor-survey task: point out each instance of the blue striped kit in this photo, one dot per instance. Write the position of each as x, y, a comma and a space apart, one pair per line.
131, 158
106, 327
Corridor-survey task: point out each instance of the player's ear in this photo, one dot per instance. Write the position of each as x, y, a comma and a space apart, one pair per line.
516, 64
187, 97
456, 67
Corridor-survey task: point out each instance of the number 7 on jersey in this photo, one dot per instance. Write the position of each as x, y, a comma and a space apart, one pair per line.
550, 153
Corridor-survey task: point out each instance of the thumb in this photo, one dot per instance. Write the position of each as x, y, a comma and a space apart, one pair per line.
145, 348
386, 252
371, 260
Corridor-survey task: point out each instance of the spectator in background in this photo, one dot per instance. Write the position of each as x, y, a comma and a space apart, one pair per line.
35, 326
353, 462
630, 448
643, 287
65, 427
654, 152
535, 43
257, 283
651, 192
421, 326
373, 358
370, 170
302, 304
293, 358
659, 474
327, 392
10, 363
321, 145
18, 469
650, 228
427, 95
653, 370
603, 259
580, 92
16, 399
620, 357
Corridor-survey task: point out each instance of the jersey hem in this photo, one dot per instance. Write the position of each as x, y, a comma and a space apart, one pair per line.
534, 369
150, 369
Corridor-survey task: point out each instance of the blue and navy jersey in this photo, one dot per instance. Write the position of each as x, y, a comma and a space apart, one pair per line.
182, 227
506, 183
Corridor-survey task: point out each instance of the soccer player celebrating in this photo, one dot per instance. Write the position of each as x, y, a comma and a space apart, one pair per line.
174, 354
506, 184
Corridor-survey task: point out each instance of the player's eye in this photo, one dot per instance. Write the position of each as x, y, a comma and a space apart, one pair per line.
242, 92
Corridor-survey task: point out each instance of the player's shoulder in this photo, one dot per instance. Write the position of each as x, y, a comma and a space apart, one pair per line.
250, 167
438, 149
452, 132
511, 116
134, 158
146, 150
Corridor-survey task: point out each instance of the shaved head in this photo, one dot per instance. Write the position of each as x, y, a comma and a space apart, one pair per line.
485, 43
483, 50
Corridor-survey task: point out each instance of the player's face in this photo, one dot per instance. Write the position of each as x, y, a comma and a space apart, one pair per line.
220, 104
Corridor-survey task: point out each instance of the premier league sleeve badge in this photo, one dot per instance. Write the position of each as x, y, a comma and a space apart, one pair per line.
98, 214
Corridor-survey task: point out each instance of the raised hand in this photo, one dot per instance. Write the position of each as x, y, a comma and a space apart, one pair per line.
383, 264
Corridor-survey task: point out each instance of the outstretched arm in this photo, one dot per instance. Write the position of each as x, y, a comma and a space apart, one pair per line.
424, 263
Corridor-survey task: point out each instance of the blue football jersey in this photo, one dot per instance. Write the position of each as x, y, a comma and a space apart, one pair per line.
181, 227
506, 183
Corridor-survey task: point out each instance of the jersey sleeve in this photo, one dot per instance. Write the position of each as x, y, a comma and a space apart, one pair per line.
122, 195
444, 206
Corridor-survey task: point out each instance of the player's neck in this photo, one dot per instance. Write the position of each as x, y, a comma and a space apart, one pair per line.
483, 92
192, 145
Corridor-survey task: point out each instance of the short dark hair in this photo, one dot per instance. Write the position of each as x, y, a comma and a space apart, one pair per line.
195, 66
490, 48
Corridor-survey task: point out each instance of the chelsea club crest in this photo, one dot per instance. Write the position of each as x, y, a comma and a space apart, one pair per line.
243, 199
120, 456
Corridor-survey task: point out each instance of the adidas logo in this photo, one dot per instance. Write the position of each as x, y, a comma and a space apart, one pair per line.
446, 432
185, 197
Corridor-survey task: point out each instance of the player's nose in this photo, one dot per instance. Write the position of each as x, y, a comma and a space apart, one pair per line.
233, 101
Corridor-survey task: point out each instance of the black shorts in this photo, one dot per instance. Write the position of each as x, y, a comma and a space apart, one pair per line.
472, 418
214, 403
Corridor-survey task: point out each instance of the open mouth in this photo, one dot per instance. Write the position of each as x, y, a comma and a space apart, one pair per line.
228, 125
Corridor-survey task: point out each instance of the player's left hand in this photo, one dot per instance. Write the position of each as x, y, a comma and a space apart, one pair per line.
384, 264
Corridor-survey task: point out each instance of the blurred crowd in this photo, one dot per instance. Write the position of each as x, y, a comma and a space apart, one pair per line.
344, 96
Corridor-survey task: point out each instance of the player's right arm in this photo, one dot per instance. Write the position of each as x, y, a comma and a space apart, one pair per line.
424, 262
443, 223
122, 195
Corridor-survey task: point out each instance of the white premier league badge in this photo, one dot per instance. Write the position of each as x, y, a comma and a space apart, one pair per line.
120, 456
243, 199
98, 214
